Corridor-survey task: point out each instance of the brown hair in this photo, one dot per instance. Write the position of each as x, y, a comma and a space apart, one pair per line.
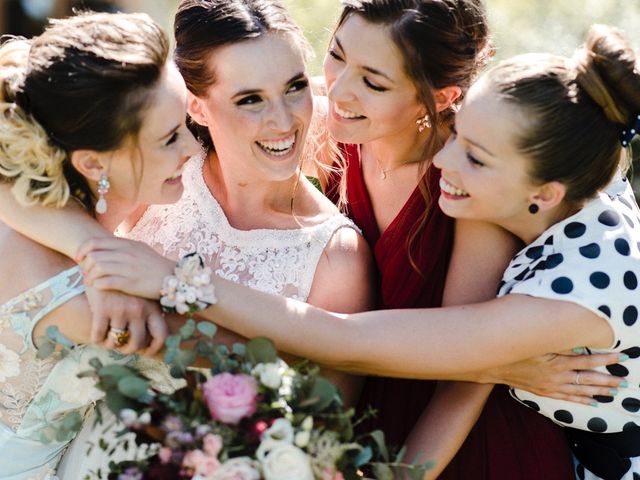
83, 83
578, 108
201, 26
443, 43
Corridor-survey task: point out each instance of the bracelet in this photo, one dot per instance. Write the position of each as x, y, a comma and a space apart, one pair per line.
189, 289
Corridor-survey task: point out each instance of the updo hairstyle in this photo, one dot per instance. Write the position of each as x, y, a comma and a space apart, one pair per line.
83, 84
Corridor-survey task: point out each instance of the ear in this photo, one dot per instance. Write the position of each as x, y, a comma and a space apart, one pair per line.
549, 195
195, 108
445, 97
90, 163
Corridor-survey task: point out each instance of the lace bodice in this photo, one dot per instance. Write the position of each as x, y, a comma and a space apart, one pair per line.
38, 397
281, 262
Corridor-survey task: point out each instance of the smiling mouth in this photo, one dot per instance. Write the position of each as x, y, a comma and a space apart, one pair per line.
176, 175
451, 190
346, 114
278, 148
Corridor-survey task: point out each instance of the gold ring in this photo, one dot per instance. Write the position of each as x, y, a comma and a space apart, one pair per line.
577, 381
120, 336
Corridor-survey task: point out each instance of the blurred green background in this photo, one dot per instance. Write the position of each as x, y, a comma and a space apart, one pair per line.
518, 26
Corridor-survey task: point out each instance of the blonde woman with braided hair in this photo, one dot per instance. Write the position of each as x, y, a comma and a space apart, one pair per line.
91, 98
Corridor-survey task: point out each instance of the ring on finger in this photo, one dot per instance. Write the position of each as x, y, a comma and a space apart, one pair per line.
120, 336
577, 380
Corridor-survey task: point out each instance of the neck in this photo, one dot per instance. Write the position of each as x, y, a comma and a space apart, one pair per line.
117, 213
245, 195
532, 226
395, 151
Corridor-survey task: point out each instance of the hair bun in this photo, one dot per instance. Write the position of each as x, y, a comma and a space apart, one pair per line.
606, 71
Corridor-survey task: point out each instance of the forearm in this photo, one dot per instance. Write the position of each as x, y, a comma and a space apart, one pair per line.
444, 426
49, 226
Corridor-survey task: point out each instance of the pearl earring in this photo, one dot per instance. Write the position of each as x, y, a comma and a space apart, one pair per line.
103, 189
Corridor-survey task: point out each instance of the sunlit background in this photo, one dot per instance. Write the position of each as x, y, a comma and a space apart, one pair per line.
518, 25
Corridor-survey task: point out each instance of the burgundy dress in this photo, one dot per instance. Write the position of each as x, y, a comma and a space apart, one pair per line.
509, 441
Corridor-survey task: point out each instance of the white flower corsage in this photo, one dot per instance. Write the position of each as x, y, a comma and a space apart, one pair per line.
189, 289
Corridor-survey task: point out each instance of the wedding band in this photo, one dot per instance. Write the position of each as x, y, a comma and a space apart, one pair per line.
120, 336
577, 380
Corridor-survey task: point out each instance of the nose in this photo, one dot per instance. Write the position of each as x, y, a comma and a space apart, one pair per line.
444, 158
340, 88
280, 117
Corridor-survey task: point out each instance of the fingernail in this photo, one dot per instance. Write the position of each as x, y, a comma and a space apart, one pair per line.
613, 392
623, 384
623, 357
579, 350
594, 404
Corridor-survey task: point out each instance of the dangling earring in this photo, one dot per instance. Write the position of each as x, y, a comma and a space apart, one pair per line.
423, 123
533, 208
103, 189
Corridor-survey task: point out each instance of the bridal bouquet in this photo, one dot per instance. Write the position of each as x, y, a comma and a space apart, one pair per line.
248, 417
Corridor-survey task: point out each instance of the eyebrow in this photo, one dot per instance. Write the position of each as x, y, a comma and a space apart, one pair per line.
171, 132
477, 145
241, 93
368, 69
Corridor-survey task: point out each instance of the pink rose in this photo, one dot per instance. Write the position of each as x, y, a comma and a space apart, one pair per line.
230, 397
201, 463
212, 444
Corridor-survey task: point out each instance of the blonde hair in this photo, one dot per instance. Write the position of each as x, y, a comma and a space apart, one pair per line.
27, 158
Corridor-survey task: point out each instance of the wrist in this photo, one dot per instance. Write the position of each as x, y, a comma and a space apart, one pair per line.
187, 288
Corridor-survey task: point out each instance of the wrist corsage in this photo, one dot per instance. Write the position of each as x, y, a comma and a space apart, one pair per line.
189, 289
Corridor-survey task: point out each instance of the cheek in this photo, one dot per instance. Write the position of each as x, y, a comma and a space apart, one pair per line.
329, 71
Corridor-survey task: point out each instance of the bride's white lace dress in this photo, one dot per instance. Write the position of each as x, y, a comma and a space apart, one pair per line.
281, 262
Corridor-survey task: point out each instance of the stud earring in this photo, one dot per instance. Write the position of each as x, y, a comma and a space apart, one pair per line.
533, 208
423, 123
103, 189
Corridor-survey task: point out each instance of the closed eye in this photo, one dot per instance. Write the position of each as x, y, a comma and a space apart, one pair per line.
373, 86
172, 139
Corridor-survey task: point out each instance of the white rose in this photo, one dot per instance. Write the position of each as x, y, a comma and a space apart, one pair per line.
280, 431
286, 462
241, 468
302, 439
270, 374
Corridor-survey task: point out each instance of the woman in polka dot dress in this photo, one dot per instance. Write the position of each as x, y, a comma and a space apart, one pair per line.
537, 151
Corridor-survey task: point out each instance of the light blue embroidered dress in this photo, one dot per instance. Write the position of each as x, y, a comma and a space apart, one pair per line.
39, 397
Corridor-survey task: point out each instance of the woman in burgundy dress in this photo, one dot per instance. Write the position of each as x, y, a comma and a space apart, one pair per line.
395, 70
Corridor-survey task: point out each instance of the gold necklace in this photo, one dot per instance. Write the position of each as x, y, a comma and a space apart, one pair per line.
383, 172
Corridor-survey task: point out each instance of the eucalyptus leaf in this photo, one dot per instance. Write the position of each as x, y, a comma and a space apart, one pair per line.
207, 329
116, 402
95, 363
315, 182
58, 337
382, 471
261, 350
186, 357
378, 437
172, 341
188, 329
364, 456
133, 387
239, 349
45, 347
324, 392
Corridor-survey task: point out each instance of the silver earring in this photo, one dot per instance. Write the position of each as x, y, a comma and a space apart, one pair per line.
423, 123
103, 189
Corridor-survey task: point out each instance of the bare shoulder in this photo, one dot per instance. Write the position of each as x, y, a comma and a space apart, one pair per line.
344, 275
25, 263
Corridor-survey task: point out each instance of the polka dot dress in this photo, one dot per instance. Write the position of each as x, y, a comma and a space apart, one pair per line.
593, 259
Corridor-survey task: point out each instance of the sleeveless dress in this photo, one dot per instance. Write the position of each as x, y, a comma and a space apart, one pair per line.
507, 442
42, 402
592, 259
280, 262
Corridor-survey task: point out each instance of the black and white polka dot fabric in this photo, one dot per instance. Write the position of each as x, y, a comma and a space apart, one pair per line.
593, 259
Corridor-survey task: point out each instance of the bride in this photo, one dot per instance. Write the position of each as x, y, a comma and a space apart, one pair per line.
245, 206
62, 129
